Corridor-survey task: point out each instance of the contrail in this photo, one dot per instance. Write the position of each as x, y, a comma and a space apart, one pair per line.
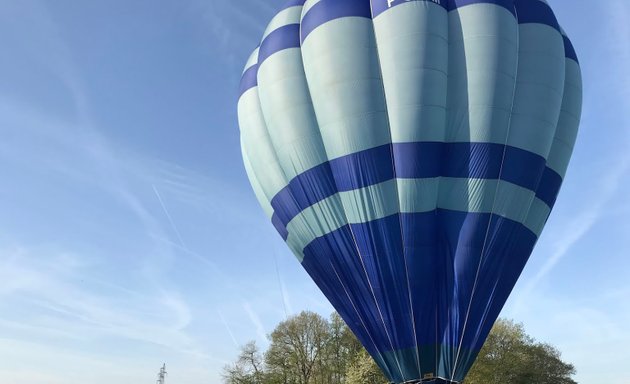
255, 319
170, 219
281, 285
227, 326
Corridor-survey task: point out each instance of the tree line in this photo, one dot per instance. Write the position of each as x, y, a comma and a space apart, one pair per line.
310, 349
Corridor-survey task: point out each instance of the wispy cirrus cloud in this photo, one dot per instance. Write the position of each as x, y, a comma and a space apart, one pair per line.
256, 322
235, 27
595, 205
579, 226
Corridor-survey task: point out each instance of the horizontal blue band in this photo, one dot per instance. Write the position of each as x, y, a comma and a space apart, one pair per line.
535, 11
528, 11
507, 4
380, 6
425, 262
418, 160
280, 227
285, 37
327, 10
249, 80
569, 50
549, 187
292, 3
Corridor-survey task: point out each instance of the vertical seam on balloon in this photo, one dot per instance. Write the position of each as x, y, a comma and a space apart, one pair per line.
439, 355
367, 331
494, 199
354, 240
400, 222
357, 312
367, 276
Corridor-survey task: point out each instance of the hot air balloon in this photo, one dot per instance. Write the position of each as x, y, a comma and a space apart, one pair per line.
410, 153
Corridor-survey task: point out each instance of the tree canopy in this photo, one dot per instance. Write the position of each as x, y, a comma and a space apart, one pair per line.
309, 349
509, 355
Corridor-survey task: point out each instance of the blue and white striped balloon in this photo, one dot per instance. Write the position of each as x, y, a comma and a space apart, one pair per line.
410, 153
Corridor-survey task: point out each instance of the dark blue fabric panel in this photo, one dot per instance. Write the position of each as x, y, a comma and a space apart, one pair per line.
507, 250
521, 168
312, 186
476, 160
463, 238
569, 50
535, 11
334, 265
380, 247
380, 6
292, 3
280, 227
507, 4
496, 247
327, 10
363, 168
419, 160
431, 282
443, 250
249, 80
282, 38
549, 187
468, 160
412, 161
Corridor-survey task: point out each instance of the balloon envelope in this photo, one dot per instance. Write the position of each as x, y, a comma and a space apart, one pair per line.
410, 153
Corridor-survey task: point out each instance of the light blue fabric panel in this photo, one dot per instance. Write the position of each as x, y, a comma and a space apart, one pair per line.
260, 194
252, 60
413, 51
513, 203
569, 120
287, 16
354, 215
257, 143
483, 59
308, 5
288, 110
293, 128
565, 135
342, 68
537, 216
344, 80
539, 89
537, 100
483, 56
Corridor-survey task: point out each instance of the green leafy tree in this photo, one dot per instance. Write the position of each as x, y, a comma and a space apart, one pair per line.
298, 348
510, 356
364, 371
248, 368
308, 349
341, 350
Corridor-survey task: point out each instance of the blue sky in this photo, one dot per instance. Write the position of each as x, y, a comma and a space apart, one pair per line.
129, 235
